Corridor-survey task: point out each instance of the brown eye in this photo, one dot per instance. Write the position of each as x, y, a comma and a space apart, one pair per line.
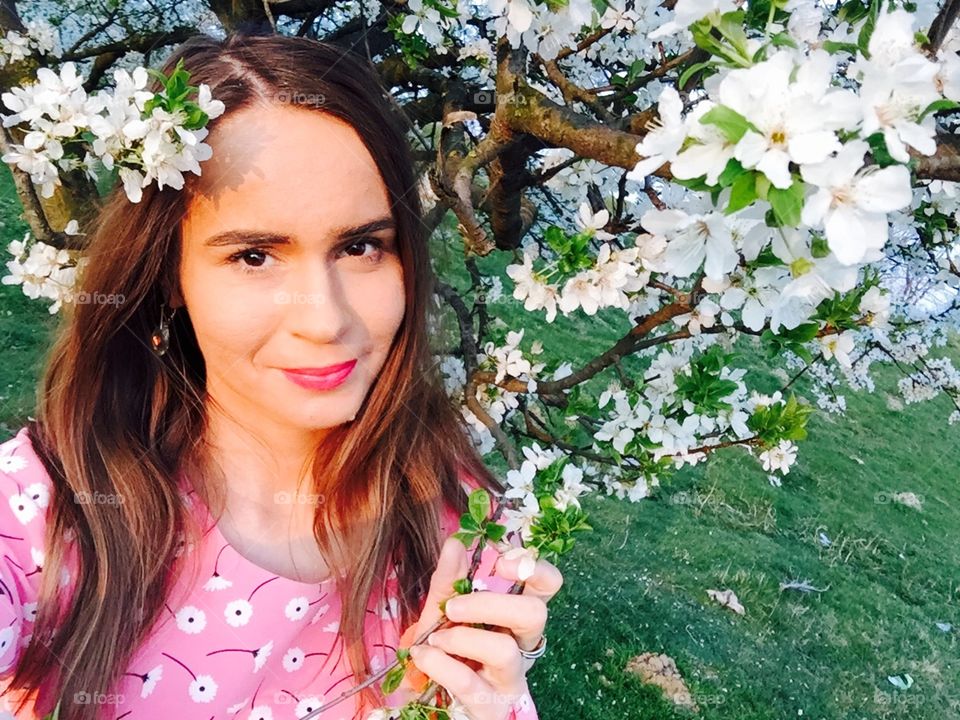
356, 249
258, 257
252, 259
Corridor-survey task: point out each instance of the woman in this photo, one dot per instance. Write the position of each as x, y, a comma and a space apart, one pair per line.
239, 517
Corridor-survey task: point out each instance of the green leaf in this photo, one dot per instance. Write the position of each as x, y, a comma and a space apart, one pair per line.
853, 11
763, 186
698, 184
937, 106
757, 12
787, 204
495, 532
832, 46
636, 67
691, 71
731, 171
878, 148
462, 586
469, 523
467, 538
196, 119
393, 678
780, 421
819, 248
803, 333
479, 505
731, 28
783, 39
157, 75
556, 238
866, 32
742, 193
732, 124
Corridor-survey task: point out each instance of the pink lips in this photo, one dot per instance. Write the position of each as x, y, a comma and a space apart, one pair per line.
325, 378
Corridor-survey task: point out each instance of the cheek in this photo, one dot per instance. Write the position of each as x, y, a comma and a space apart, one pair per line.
226, 319
381, 303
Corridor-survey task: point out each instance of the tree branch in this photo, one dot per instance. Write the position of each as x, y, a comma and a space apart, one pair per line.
944, 164
941, 26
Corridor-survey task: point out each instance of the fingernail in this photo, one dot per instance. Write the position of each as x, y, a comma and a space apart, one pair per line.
450, 609
432, 639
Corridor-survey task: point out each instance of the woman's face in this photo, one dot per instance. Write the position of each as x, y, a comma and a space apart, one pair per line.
273, 277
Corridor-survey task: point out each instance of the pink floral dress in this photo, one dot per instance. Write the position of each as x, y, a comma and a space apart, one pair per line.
239, 642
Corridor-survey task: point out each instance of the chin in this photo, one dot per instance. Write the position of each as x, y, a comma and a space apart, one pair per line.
325, 421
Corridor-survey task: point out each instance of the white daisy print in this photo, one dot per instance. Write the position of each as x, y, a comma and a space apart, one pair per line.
297, 608
293, 659
233, 709
150, 681
217, 582
238, 612
39, 493
24, 508
12, 464
307, 705
203, 689
191, 620
6, 642
260, 656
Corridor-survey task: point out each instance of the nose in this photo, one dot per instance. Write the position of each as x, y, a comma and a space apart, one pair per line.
317, 305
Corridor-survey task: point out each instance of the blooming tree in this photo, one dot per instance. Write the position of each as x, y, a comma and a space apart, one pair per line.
711, 175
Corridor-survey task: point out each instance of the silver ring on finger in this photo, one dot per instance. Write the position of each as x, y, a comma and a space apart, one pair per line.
538, 651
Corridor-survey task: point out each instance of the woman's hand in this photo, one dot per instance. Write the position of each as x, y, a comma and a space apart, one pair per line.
482, 669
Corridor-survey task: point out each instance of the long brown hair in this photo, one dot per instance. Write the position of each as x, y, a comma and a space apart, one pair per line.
114, 418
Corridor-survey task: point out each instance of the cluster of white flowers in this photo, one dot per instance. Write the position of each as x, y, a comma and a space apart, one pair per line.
43, 270
937, 376
520, 485
39, 38
55, 112
509, 359
523, 22
838, 345
568, 182
816, 122
779, 458
795, 116
658, 416
615, 276
498, 402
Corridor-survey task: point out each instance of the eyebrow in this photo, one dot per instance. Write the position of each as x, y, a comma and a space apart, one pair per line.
260, 237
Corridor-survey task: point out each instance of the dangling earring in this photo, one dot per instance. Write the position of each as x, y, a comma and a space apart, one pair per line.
160, 338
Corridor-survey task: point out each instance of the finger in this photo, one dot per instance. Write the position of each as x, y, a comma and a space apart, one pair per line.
460, 680
498, 653
452, 565
524, 615
545, 582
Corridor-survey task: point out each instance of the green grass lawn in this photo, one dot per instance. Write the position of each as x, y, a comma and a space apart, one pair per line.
638, 583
